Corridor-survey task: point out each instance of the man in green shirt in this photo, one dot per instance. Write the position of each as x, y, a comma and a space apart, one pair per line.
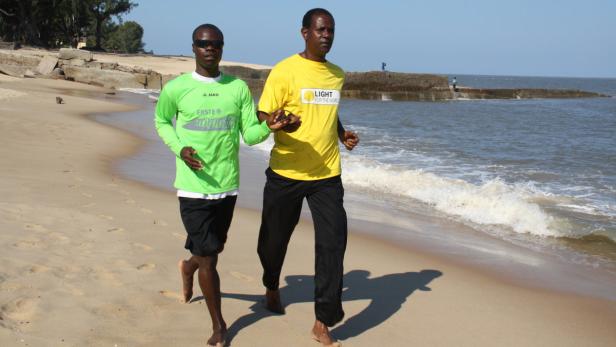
211, 110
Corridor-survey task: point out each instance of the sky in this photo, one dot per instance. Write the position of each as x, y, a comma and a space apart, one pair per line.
520, 38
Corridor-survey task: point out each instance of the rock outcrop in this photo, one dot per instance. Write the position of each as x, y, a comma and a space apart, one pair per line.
80, 66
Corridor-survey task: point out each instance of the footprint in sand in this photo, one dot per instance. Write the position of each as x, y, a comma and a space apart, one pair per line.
146, 267
32, 243
59, 237
130, 201
38, 268
105, 216
85, 245
35, 227
171, 295
10, 287
14, 209
141, 246
162, 223
22, 309
115, 230
89, 204
241, 276
146, 211
87, 195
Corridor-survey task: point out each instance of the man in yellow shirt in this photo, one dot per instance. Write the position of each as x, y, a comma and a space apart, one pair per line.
305, 163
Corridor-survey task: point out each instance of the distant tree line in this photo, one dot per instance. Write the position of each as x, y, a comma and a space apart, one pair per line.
63, 23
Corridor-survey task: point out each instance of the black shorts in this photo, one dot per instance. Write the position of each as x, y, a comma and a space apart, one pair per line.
207, 224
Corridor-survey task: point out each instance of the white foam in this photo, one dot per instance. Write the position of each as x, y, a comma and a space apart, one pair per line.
516, 207
151, 93
140, 90
491, 203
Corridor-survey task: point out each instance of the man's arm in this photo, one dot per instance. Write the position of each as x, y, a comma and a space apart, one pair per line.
349, 139
166, 109
274, 98
254, 129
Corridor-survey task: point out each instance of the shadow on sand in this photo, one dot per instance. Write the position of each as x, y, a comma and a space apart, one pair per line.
386, 294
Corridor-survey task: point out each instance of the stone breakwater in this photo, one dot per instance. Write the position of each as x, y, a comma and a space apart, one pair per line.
81, 66
379, 85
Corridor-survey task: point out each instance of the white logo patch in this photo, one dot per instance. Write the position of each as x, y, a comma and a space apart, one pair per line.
320, 96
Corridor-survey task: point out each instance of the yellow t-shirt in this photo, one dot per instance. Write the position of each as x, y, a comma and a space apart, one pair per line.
310, 90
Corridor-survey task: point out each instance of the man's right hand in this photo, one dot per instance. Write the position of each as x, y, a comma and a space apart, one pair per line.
187, 154
293, 124
278, 120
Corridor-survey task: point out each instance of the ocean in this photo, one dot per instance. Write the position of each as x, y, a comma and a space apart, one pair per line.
514, 185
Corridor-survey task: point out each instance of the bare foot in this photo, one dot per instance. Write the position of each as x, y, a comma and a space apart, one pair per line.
187, 272
218, 338
272, 301
320, 333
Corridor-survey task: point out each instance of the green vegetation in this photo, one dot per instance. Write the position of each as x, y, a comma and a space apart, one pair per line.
64, 23
125, 38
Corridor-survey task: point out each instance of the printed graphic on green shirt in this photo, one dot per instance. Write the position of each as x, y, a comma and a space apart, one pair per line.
211, 124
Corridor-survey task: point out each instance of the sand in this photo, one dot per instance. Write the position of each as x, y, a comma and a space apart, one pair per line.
89, 258
171, 65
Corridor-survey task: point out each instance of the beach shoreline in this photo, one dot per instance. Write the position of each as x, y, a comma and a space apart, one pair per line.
86, 246
417, 231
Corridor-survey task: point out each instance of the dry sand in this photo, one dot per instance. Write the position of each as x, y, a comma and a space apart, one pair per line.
166, 65
171, 65
89, 258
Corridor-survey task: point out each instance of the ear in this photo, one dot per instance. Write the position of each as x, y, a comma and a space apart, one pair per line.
304, 33
194, 48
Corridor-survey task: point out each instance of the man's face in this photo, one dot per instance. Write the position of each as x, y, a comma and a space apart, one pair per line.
319, 36
207, 46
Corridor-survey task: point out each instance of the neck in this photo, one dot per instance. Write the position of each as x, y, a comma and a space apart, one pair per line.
208, 72
306, 54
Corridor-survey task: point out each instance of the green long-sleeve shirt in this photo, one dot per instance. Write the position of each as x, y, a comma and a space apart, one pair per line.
210, 115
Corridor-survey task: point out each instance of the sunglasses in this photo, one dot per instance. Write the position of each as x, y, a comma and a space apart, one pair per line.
217, 44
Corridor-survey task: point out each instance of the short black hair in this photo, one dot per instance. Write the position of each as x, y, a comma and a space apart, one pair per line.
207, 26
307, 20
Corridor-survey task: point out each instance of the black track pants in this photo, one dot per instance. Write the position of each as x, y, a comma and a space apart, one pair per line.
282, 204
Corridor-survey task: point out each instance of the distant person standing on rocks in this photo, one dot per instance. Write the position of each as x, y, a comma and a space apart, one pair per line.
211, 110
454, 82
383, 66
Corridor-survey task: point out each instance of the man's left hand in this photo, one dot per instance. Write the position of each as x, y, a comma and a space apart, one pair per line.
349, 139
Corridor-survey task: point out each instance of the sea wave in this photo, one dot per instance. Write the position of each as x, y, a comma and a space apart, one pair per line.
522, 208
492, 203
150, 93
